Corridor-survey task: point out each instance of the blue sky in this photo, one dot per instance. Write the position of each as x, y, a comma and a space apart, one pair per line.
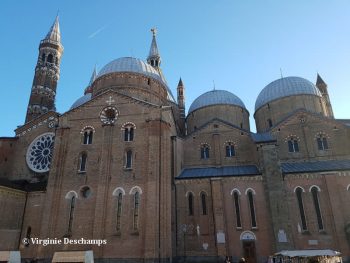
240, 45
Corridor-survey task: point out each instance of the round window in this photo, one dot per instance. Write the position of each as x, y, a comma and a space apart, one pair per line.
109, 115
39, 153
85, 192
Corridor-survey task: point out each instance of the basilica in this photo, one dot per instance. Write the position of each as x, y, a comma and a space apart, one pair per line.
130, 173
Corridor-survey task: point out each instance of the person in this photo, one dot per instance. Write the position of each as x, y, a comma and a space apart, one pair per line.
242, 260
227, 260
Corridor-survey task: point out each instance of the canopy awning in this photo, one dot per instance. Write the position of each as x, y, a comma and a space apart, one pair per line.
73, 256
308, 253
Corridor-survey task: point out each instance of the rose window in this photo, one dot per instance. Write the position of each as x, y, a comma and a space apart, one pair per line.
39, 153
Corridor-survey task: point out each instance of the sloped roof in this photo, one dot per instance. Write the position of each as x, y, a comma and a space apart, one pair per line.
226, 171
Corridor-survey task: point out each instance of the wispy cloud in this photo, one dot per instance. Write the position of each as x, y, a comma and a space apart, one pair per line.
97, 32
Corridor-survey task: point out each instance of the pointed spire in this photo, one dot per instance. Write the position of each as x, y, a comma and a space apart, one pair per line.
92, 79
54, 34
320, 81
93, 76
154, 57
180, 83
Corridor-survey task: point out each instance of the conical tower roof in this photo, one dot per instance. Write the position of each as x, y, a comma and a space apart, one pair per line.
154, 52
93, 76
54, 33
320, 81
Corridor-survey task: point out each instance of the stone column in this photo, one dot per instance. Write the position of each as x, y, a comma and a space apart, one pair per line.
218, 212
276, 196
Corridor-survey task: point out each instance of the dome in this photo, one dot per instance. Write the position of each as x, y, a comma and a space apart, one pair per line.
129, 64
215, 97
81, 101
285, 87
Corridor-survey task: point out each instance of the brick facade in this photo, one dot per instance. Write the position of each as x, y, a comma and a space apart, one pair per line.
134, 193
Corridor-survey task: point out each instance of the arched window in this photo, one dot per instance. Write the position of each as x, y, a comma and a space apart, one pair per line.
136, 210
71, 214
205, 151
88, 134
129, 133
230, 149
322, 142
56, 61
190, 204
299, 193
204, 203
237, 209
293, 145
252, 208
119, 210
128, 159
314, 192
82, 162
50, 58
43, 56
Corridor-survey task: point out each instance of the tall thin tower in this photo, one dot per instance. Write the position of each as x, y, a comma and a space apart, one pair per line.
47, 73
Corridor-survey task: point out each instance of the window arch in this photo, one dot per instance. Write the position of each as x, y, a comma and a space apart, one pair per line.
204, 203
236, 202
119, 211
190, 204
129, 130
43, 56
128, 159
205, 151
322, 142
136, 210
251, 208
135, 189
299, 194
87, 136
230, 149
82, 162
293, 145
314, 191
117, 191
50, 58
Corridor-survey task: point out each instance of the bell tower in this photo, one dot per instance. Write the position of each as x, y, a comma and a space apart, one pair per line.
47, 73
322, 86
181, 98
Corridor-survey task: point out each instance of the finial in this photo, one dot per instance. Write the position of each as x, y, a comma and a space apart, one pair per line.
213, 85
154, 31
58, 12
281, 73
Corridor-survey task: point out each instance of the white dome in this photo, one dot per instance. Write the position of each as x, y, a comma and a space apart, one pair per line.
81, 101
285, 87
215, 97
129, 64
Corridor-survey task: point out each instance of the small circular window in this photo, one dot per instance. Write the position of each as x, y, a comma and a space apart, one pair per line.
85, 192
109, 115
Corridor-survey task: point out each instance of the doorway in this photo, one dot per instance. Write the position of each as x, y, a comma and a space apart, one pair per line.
249, 251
